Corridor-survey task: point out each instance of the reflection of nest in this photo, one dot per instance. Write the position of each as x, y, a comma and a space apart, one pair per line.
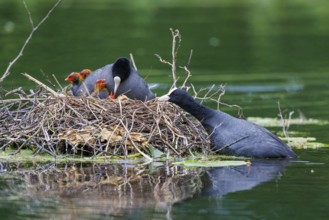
91, 126
113, 188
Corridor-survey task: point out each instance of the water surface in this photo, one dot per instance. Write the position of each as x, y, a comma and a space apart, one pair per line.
265, 52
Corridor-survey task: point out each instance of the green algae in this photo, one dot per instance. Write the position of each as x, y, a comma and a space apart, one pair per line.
28, 156
211, 163
276, 122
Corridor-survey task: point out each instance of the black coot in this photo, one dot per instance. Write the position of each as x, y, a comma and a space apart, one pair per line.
121, 78
230, 135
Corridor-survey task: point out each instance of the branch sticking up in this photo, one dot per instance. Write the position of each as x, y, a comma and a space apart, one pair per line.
174, 50
188, 73
34, 29
212, 93
175, 47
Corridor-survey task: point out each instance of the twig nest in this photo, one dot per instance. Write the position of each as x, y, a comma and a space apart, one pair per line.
120, 127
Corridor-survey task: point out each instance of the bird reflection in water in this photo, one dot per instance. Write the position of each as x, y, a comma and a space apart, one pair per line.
127, 190
221, 181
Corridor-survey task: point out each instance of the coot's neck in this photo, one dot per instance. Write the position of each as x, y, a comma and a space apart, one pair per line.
199, 111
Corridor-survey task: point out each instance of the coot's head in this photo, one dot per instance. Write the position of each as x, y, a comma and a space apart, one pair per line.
74, 78
177, 96
121, 70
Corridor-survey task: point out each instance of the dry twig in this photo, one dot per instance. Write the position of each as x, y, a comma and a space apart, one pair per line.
34, 29
285, 124
174, 50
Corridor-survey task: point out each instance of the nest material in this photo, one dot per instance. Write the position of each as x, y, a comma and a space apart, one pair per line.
93, 126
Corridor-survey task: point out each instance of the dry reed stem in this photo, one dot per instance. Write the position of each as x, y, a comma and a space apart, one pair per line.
41, 84
285, 124
133, 61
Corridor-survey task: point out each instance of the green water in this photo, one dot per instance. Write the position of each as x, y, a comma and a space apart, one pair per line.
263, 51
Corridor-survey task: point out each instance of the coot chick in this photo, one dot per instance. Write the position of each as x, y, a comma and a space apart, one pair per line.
230, 135
100, 89
121, 78
85, 72
76, 79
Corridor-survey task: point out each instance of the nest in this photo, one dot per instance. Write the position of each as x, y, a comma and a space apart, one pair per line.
64, 124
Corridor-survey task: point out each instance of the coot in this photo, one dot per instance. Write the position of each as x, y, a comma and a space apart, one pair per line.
121, 78
230, 135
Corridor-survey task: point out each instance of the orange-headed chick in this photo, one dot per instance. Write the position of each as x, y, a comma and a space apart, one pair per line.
100, 89
76, 79
84, 73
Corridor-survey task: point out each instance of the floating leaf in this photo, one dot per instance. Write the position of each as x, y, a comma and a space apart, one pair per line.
155, 153
304, 142
211, 163
275, 122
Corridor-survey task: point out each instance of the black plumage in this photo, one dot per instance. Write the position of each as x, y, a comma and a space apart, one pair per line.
128, 81
230, 135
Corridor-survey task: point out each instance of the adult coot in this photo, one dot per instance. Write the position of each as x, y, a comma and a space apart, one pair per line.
121, 78
230, 135
76, 79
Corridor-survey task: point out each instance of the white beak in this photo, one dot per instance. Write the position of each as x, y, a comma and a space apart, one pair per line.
164, 98
117, 81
